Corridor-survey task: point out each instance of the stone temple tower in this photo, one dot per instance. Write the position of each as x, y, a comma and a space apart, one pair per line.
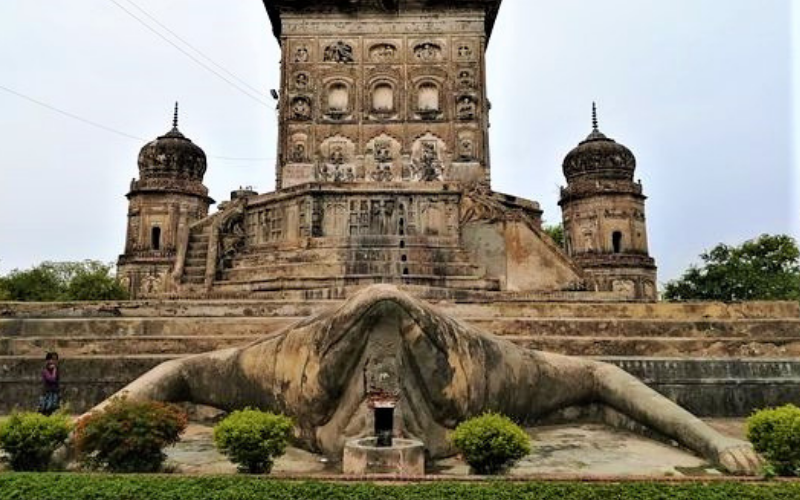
166, 199
604, 219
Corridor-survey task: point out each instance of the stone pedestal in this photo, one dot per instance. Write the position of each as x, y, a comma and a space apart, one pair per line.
406, 457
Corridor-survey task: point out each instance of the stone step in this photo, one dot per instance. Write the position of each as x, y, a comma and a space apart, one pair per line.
120, 328
678, 347
305, 283
706, 387
68, 347
345, 269
482, 306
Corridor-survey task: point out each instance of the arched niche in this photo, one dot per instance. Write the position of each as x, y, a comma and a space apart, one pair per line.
382, 98
338, 99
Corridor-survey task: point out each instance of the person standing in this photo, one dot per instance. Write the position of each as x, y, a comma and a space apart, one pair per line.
50, 402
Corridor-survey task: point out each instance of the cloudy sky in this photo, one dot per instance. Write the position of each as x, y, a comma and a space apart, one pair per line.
700, 90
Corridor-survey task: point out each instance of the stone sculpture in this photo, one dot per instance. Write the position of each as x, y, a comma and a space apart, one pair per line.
322, 370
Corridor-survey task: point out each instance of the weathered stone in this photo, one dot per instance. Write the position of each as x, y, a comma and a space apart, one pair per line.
321, 371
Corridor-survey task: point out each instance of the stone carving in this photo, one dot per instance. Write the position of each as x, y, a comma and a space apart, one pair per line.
301, 108
464, 51
428, 51
339, 52
301, 55
466, 108
466, 146
624, 287
466, 79
443, 372
383, 53
301, 81
231, 239
383, 160
336, 167
429, 167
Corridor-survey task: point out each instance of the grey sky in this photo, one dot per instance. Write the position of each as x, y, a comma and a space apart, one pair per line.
700, 90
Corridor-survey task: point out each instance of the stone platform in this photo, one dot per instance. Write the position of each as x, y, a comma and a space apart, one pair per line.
714, 359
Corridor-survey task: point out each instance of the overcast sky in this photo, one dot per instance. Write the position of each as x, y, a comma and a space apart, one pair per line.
700, 90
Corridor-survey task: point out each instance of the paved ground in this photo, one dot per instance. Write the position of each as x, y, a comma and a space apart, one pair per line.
574, 449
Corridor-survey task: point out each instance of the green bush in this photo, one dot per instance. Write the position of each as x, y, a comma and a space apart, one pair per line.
98, 487
775, 434
129, 436
491, 443
253, 439
29, 439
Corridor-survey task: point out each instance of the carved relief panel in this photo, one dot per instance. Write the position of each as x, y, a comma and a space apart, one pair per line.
383, 161
466, 50
337, 160
427, 50
383, 51
427, 159
338, 51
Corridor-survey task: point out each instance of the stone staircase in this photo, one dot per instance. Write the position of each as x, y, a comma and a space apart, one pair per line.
194, 270
106, 345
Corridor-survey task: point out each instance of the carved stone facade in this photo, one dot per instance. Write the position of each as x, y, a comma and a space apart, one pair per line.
383, 177
413, 77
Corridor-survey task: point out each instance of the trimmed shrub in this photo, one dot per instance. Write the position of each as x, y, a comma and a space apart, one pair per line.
491, 443
30, 439
253, 440
129, 436
775, 434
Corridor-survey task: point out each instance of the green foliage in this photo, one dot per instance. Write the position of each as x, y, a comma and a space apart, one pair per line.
129, 436
775, 434
94, 281
766, 268
253, 439
29, 439
491, 443
98, 487
556, 233
62, 281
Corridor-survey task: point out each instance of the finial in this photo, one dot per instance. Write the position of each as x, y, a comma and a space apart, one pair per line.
594, 117
175, 118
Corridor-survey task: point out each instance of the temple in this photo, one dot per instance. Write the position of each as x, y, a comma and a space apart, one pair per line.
384, 176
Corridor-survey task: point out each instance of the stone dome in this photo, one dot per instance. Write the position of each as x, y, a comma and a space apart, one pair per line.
599, 157
172, 156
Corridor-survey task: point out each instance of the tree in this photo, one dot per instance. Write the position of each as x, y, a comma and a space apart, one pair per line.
765, 268
94, 281
54, 281
556, 233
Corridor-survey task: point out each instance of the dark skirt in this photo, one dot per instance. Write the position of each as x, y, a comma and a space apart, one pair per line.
49, 402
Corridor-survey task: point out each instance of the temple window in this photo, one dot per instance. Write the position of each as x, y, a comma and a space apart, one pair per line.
338, 98
616, 241
383, 98
155, 238
428, 97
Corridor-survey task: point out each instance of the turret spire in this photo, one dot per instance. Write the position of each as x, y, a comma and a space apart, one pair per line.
175, 117
594, 117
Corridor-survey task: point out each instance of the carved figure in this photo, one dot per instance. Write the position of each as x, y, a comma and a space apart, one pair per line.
442, 370
466, 148
464, 51
301, 81
384, 52
299, 152
301, 55
429, 167
466, 108
427, 51
339, 52
231, 240
301, 108
466, 80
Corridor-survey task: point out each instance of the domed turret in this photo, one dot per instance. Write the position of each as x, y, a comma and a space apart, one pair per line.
164, 202
599, 157
604, 221
172, 156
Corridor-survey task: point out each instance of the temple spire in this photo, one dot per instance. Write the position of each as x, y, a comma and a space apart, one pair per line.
175, 117
594, 117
